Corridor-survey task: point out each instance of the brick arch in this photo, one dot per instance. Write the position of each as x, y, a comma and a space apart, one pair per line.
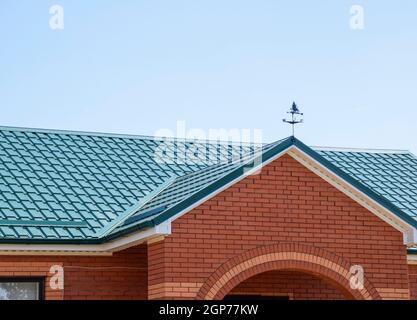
284, 256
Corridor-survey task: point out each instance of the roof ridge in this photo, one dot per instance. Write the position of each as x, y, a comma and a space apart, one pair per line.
172, 180
361, 150
237, 166
180, 178
135, 208
141, 208
244, 159
121, 135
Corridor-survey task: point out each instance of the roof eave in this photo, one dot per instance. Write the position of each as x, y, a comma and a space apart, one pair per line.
102, 246
216, 187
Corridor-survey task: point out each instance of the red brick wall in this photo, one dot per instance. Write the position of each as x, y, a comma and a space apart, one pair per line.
412, 274
295, 285
121, 276
285, 203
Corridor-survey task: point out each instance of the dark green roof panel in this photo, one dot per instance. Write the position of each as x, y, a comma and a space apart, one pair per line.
58, 186
50, 176
391, 174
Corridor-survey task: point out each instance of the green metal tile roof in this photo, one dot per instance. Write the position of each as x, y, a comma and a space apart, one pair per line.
391, 174
59, 186
183, 187
87, 181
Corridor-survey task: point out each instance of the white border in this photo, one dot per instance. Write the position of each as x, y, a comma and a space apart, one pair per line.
104, 249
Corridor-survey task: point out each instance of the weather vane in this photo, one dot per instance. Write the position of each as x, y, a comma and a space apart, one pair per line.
295, 113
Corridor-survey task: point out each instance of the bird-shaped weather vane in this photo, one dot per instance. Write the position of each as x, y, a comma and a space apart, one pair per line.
295, 117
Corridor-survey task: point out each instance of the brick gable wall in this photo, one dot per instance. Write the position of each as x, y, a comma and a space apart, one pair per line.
286, 203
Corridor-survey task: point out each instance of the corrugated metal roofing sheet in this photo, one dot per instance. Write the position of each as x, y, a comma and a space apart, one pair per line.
58, 185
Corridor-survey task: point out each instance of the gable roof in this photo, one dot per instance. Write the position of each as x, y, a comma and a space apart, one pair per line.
185, 191
59, 186
391, 174
161, 209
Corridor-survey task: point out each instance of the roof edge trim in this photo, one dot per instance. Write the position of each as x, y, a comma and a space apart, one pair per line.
237, 174
359, 150
355, 183
123, 135
132, 210
96, 247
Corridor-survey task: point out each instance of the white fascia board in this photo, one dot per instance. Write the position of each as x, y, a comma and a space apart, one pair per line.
104, 249
408, 231
410, 237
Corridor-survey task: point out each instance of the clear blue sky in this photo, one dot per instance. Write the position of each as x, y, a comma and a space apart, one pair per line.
139, 66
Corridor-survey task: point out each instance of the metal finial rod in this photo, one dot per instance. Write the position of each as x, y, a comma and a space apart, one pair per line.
294, 111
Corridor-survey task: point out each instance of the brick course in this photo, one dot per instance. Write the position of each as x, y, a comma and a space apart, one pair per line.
293, 284
284, 256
